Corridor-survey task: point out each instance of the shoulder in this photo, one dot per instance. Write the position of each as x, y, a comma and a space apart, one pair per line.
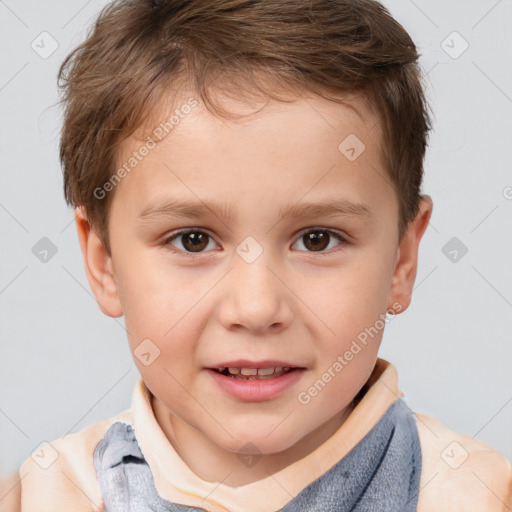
61, 475
460, 473
10, 493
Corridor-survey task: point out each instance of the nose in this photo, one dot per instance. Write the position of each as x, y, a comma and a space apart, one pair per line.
255, 297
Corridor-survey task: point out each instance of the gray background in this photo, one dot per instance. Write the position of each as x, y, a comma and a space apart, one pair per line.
64, 365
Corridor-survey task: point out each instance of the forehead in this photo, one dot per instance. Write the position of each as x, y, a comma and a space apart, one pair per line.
273, 149
181, 114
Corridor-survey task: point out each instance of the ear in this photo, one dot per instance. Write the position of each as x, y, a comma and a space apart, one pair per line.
98, 267
406, 264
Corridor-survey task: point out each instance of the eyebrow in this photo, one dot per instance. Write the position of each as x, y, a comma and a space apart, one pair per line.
327, 208
200, 209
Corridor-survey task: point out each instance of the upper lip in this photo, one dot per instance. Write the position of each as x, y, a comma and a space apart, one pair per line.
245, 363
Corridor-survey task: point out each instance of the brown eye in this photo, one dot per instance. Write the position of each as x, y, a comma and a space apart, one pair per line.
192, 241
318, 240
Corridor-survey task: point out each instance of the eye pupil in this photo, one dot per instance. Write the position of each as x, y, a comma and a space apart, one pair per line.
319, 240
194, 240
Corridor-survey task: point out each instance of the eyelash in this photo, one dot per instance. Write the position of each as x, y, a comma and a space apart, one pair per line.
181, 232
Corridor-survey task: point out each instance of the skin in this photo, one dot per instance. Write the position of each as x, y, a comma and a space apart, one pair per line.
10, 493
292, 303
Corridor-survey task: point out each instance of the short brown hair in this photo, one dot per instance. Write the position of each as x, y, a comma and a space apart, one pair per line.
138, 49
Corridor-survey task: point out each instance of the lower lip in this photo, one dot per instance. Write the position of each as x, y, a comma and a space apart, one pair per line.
255, 390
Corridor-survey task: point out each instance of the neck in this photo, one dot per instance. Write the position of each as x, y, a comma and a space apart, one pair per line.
213, 463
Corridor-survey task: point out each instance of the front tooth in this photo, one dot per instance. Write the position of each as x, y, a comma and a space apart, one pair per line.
265, 371
249, 371
234, 371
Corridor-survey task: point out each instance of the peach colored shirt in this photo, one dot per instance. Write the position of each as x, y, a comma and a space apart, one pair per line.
459, 473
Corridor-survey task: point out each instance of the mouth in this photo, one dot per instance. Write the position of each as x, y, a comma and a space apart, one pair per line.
245, 369
243, 373
255, 381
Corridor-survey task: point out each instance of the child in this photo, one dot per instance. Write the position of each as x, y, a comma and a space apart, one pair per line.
246, 177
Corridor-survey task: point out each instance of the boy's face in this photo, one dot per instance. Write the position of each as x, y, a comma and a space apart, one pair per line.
256, 285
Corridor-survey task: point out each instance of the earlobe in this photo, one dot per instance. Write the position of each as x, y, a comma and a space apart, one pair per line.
406, 265
98, 267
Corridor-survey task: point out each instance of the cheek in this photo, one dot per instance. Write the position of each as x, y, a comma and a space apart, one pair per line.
165, 309
353, 297
151, 296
